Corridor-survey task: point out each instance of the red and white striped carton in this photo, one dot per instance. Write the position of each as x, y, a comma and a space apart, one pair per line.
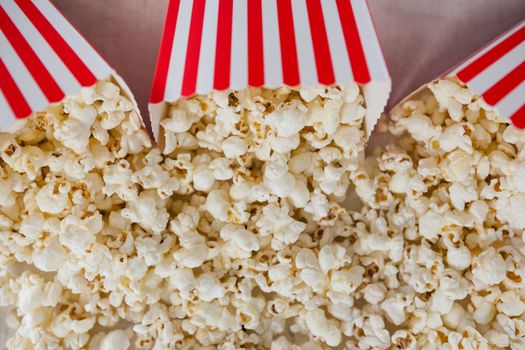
496, 73
234, 44
43, 59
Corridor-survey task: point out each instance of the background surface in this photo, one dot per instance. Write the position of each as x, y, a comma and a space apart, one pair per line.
421, 39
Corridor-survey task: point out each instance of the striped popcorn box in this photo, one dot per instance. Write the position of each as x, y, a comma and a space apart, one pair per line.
496, 73
43, 59
220, 45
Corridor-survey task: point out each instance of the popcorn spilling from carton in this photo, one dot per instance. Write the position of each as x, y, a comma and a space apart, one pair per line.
231, 232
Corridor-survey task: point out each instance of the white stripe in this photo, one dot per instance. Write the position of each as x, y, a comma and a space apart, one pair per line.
178, 52
496, 71
508, 105
482, 51
273, 72
337, 44
23, 79
208, 47
84, 51
369, 41
303, 38
239, 46
7, 116
61, 75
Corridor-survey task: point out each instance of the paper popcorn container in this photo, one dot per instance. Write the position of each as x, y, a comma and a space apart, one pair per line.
43, 59
235, 44
496, 73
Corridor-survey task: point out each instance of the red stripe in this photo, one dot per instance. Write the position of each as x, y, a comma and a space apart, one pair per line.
68, 56
38, 71
12, 93
491, 56
191, 67
354, 46
163, 61
505, 85
323, 61
288, 45
221, 79
518, 118
255, 44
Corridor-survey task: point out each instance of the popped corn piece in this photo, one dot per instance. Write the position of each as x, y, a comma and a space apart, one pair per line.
203, 178
192, 256
327, 330
288, 118
51, 256
115, 340
348, 280
484, 312
239, 241
374, 293
331, 257
148, 211
510, 304
511, 212
53, 198
318, 205
459, 258
489, 267
234, 147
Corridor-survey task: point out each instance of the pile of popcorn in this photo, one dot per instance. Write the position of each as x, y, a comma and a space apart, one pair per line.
232, 235
452, 193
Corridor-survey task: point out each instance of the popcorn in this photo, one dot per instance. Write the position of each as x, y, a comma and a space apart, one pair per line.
420, 127
288, 118
453, 157
239, 241
455, 137
459, 258
282, 145
258, 252
331, 257
73, 134
52, 255
115, 340
217, 204
484, 312
117, 178
78, 233
327, 330
234, 147
511, 304
210, 287
53, 198
282, 186
511, 212
394, 309
374, 293
489, 267
221, 168
318, 205
347, 281
147, 210
299, 196
203, 178
32, 225
192, 256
